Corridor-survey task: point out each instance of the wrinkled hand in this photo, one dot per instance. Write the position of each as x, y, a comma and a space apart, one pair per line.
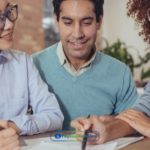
8, 137
14, 126
137, 120
99, 127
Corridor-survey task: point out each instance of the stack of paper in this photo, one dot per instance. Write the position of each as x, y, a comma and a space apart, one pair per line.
112, 145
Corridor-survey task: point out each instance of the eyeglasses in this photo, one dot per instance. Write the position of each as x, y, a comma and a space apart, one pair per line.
11, 13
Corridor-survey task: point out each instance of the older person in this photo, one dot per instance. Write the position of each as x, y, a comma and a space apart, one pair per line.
21, 85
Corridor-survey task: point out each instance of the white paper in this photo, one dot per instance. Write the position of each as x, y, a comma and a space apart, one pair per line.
68, 146
112, 145
122, 142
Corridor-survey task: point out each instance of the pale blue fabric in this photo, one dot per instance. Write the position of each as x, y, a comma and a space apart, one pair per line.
105, 88
21, 86
143, 102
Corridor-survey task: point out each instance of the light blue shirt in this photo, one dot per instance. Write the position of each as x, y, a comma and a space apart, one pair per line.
143, 102
106, 87
21, 86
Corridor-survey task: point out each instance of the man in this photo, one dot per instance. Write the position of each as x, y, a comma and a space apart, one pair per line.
8, 137
84, 80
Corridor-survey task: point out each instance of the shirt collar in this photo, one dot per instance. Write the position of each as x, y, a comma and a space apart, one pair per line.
61, 54
63, 59
5, 55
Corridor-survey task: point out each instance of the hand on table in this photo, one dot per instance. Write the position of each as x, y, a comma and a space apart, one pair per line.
137, 120
8, 137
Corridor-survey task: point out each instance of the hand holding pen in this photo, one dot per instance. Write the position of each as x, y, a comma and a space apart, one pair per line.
101, 128
85, 136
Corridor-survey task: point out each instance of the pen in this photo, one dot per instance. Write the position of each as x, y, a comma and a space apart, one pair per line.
85, 137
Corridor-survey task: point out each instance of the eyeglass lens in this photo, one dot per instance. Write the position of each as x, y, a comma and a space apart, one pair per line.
11, 13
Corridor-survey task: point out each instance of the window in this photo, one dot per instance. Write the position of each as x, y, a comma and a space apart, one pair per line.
50, 30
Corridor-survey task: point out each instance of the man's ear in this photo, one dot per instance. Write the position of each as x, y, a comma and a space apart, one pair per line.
99, 22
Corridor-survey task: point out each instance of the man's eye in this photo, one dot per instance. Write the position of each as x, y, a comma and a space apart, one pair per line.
67, 23
87, 22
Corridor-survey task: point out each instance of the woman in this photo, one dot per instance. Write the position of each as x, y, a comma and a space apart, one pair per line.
139, 116
21, 85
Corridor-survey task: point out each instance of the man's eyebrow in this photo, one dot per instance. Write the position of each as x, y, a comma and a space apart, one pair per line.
87, 18
65, 18
68, 18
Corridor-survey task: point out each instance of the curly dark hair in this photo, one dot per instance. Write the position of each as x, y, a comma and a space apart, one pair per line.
98, 4
140, 11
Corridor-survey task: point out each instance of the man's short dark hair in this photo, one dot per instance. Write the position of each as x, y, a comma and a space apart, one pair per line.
98, 5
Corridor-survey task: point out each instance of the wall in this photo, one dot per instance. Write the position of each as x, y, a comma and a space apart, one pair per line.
29, 34
117, 25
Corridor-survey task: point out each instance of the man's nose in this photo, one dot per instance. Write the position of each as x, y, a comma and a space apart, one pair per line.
78, 31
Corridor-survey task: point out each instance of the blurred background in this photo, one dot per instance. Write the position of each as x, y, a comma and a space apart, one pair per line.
36, 29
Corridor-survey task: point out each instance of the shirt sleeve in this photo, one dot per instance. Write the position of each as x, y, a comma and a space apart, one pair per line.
47, 115
143, 102
127, 94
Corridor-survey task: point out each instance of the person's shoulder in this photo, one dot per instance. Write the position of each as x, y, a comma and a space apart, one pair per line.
45, 52
109, 60
19, 58
18, 54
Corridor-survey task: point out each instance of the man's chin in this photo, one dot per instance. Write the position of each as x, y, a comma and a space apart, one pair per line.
79, 56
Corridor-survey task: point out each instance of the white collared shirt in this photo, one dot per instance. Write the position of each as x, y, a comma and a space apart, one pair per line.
63, 61
21, 86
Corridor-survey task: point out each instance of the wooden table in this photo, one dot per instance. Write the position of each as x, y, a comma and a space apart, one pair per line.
141, 145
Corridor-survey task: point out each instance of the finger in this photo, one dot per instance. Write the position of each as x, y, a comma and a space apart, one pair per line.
77, 124
106, 119
133, 112
130, 110
95, 135
127, 118
7, 133
125, 113
12, 144
137, 113
5, 142
81, 124
3, 124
